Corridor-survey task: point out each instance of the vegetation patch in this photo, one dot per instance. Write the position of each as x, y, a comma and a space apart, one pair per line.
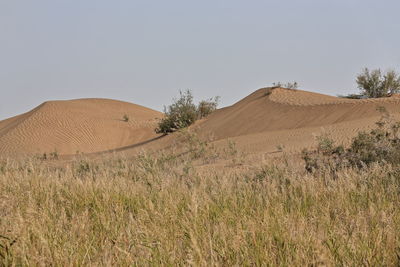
380, 145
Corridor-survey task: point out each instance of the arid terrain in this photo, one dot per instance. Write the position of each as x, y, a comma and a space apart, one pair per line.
89, 183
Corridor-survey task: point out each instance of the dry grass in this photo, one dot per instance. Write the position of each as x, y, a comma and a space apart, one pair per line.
161, 211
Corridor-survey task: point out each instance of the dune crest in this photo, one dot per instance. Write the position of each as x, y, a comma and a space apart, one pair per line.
303, 98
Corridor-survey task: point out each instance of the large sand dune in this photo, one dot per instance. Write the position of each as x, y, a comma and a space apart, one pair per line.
285, 109
84, 125
292, 119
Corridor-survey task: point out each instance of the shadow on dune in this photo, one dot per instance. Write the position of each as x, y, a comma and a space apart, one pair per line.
119, 149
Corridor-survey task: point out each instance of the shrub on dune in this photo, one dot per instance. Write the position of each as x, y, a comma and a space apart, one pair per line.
374, 84
380, 145
183, 112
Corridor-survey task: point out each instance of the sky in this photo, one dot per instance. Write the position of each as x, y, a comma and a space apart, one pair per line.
145, 51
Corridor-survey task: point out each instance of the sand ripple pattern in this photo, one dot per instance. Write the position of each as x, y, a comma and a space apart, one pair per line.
83, 125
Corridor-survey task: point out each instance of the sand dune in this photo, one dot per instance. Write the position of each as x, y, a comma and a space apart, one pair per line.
258, 124
84, 125
286, 109
292, 119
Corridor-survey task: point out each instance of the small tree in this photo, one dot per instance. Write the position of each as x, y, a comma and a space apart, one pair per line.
374, 84
180, 114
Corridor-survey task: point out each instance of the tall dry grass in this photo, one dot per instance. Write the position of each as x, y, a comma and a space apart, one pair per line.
163, 211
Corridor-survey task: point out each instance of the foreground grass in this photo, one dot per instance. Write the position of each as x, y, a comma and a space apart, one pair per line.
161, 212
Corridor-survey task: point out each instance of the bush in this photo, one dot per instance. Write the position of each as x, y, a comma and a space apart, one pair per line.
180, 114
206, 107
381, 145
183, 112
125, 118
352, 96
374, 84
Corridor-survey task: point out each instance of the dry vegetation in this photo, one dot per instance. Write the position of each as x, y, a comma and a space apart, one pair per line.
200, 203
165, 211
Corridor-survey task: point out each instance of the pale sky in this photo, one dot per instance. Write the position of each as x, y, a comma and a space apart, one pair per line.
146, 51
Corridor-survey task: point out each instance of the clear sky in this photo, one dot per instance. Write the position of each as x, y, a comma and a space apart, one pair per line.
145, 51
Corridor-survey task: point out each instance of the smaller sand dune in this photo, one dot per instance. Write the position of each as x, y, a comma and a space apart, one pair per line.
83, 125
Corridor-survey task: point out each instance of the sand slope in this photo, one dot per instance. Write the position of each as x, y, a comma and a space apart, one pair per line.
84, 125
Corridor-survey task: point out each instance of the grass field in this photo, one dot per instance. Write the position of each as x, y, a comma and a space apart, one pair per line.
163, 211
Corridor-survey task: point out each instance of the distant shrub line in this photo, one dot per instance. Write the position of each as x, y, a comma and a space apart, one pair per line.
288, 85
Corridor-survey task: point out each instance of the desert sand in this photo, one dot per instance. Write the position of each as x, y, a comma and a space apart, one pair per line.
84, 126
258, 124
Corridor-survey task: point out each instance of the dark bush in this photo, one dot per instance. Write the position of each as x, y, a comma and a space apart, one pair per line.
352, 96
125, 118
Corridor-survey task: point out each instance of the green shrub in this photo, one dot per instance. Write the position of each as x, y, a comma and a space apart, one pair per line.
125, 118
374, 84
206, 107
180, 114
183, 112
